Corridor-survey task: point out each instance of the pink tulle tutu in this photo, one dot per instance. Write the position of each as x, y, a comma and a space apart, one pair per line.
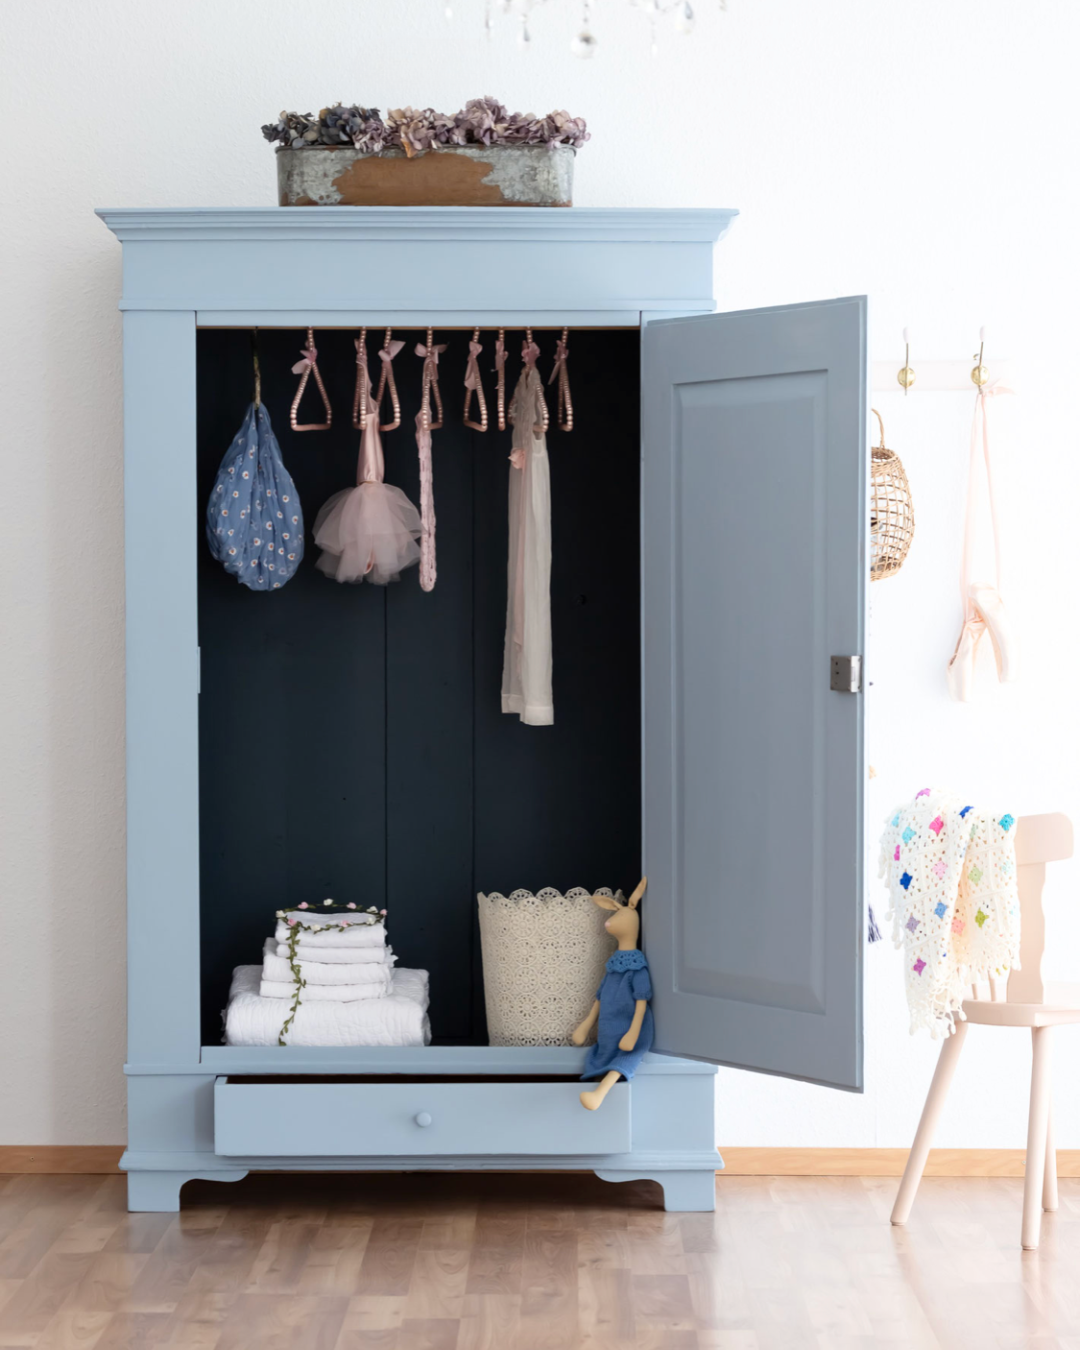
368, 533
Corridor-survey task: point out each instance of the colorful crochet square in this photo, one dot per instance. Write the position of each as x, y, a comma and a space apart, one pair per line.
912, 923
975, 876
895, 820
981, 917
1006, 867
939, 869
896, 855
937, 824
1006, 823
941, 909
964, 812
906, 880
908, 835
958, 925
923, 792
919, 966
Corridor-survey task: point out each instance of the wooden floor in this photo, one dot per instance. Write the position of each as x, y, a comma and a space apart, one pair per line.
492, 1262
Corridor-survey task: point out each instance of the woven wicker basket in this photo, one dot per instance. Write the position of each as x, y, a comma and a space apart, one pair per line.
544, 958
892, 516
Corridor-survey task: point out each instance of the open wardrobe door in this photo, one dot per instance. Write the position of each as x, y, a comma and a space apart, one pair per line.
754, 517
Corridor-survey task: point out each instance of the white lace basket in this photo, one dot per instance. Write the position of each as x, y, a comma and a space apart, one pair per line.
544, 958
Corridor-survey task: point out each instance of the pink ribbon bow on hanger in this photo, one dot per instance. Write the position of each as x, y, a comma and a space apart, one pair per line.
472, 366
500, 354
308, 358
430, 353
530, 352
389, 352
984, 609
560, 360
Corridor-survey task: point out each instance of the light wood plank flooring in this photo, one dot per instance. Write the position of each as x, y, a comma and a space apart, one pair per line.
532, 1262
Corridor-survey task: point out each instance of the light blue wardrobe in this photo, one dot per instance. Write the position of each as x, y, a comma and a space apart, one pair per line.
753, 573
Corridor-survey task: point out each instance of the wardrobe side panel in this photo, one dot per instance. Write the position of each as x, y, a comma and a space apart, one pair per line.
162, 687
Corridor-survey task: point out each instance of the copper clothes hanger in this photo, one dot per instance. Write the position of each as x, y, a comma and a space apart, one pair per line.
257, 400
500, 370
473, 385
530, 353
360, 394
431, 354
306, 366
390, 348
565, 412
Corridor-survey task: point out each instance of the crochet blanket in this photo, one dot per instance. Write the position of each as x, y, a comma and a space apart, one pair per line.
951, 872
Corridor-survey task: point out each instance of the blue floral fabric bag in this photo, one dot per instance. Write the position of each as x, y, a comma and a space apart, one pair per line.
254, 524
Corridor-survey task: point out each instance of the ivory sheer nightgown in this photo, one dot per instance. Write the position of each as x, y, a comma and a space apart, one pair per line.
526, 683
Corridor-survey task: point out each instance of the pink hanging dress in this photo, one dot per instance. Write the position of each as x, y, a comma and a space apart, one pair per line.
526, 683
369, 532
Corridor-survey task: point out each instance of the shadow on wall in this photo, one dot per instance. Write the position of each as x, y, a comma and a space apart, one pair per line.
79, 975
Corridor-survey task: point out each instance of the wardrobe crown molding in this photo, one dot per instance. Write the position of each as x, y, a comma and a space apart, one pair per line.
301, 264
518, 224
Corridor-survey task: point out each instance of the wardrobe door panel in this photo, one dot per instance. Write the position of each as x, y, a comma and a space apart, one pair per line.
754, 572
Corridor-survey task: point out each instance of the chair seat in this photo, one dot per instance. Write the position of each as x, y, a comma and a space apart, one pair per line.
1062, 1006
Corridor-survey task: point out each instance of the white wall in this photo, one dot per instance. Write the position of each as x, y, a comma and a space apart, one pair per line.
922, 153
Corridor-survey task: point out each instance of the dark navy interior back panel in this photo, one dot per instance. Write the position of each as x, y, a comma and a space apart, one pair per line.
351, 738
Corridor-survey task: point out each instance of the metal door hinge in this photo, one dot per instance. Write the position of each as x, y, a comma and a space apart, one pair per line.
845, 675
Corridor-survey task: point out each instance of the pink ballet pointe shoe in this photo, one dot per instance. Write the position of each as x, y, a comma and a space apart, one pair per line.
961, 672
991, 607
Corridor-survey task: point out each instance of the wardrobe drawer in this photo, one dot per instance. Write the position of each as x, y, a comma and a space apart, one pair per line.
353, 1119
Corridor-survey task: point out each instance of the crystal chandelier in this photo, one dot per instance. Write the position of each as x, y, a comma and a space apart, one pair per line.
678, 12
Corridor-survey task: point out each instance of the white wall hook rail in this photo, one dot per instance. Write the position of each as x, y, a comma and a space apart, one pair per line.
935, 376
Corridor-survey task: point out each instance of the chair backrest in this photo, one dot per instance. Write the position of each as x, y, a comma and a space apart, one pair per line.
1039, 840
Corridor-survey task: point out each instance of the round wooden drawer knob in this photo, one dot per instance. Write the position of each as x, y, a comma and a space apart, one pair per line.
423, 1119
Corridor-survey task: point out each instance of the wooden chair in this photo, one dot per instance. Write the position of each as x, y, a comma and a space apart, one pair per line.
1027, 1002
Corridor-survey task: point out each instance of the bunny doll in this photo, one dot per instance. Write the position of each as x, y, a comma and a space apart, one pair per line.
625, 1029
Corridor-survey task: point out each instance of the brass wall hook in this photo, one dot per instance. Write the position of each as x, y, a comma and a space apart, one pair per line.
979, 373
906, 376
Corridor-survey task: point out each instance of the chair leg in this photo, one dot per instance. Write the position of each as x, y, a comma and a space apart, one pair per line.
1038, 1125
931, 1113
1050, 1186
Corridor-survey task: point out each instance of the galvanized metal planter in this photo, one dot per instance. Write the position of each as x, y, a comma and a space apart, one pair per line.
450, 175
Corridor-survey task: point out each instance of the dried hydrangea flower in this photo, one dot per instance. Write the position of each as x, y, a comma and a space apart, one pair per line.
483, 121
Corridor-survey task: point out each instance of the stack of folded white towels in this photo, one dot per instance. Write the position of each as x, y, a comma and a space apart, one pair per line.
349, 992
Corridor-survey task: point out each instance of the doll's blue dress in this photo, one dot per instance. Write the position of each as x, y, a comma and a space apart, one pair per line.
626, 980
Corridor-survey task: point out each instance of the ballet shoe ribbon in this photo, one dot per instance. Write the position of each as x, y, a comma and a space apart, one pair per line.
961, 668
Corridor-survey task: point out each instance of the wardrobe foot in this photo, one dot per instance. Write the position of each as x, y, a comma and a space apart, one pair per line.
159, 1192
684, 1192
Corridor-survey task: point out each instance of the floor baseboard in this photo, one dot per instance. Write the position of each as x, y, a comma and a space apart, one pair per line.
884, 1162
82, 1158
739, 1162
